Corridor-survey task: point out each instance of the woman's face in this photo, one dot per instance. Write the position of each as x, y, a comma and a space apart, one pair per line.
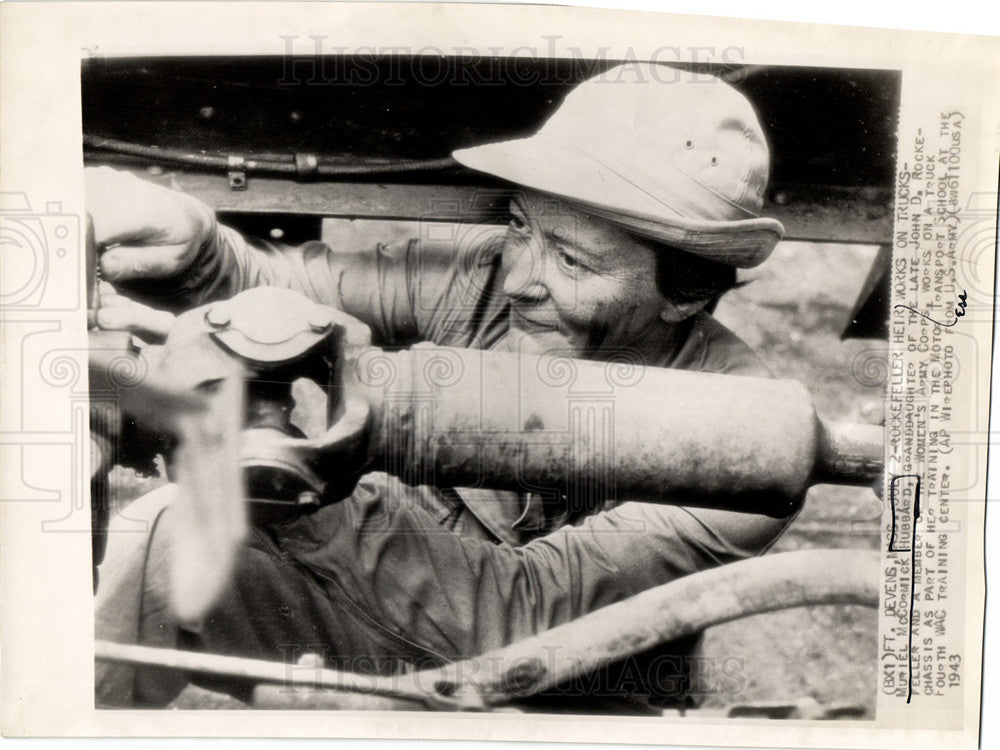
576, 282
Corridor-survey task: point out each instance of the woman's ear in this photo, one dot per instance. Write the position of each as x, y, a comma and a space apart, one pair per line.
676, 312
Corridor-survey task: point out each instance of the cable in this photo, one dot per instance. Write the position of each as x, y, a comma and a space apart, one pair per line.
304, 165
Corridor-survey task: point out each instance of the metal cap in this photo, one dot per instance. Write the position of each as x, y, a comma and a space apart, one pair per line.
270, 324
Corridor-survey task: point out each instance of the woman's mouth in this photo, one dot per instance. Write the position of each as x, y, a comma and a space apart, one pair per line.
531, 323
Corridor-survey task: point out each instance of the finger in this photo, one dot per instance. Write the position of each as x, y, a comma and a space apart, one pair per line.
107, 296
143, 321
126, 263
114, 300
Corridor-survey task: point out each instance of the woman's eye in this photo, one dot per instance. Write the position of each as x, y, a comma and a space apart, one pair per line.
568, 260
518, 224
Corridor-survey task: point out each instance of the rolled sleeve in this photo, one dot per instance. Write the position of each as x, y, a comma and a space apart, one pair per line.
405, 292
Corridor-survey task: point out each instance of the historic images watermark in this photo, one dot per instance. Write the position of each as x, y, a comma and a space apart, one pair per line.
319, 60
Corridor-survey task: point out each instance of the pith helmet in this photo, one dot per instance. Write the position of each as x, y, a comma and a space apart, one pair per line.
680, 159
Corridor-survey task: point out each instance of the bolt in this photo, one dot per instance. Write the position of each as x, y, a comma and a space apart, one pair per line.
308, 501
320, 320
314, 661
218, 317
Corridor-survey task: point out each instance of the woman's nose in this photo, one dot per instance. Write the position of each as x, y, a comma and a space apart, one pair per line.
525, 278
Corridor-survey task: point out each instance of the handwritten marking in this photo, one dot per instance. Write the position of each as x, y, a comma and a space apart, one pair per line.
959, 311
912, 549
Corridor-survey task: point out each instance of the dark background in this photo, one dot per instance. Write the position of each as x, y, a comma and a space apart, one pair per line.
826, 126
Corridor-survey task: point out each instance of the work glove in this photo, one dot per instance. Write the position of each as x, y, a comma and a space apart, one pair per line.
156, 245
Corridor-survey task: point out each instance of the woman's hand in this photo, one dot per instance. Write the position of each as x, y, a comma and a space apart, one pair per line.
150, 232
116, 312
156, 244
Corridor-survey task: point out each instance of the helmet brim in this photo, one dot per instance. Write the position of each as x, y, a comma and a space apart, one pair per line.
550, 167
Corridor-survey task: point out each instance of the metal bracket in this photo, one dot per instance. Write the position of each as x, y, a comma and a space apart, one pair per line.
306, 165
237, 172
